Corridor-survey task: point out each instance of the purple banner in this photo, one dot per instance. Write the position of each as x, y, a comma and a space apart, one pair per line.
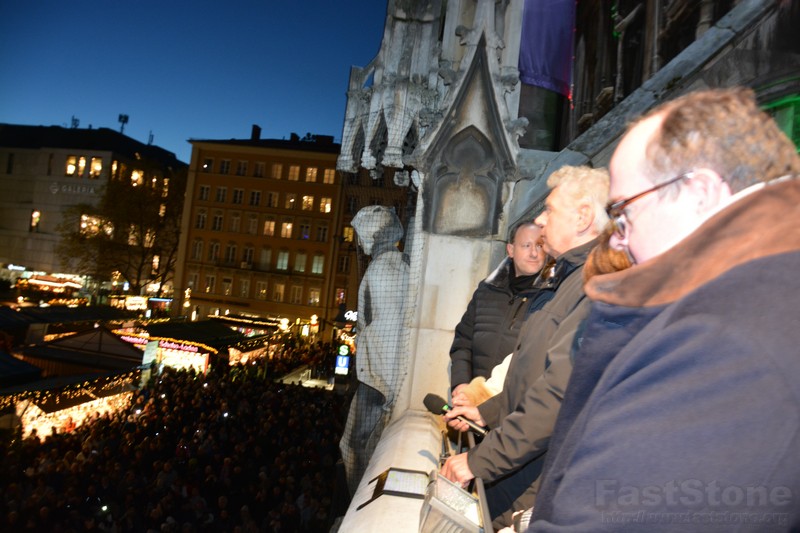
545, 55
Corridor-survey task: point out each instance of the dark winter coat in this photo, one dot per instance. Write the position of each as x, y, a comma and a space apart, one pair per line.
523, 414
684, 408
488, 330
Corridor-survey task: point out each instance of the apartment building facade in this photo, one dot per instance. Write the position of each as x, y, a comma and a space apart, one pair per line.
261, 232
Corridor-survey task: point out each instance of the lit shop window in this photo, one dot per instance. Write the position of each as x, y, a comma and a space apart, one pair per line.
291, 200
318, 264
328, 176
36, 217
277, 171
136, 178
277, 292
294, 173
93, 225
341, 296
308, 203
72, 165
261, 290
300, 262
283, 260
96, 167
348, 234
269, 228
325, 205
313, 296
311, 175
286, 230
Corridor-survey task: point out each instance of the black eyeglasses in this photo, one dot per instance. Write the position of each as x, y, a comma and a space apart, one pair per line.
616, 210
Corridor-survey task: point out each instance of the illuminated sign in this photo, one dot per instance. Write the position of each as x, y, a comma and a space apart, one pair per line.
352, 316
342, 363
169, 345
135, 303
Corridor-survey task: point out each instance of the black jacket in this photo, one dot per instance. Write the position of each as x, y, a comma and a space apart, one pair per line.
488, 330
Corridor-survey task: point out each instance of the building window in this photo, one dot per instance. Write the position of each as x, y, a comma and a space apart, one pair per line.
296, 295
224, 166
269, 227
313, 296
300, 262
266, 258
308, 203
200, 222
197, 250
208, 164
277, 170
236, 223
311, 175
244, 288
72, 165
286, 230
36, 217
252, 225
241, 168
95, 167
322, 233
294, 173
318, 264
227, 283
230, 253
193, 281
305, 230
205, 192
238, 196
258, 172
328, 176
213, 251
352, 205
137, 178
291, 201
222, 192
341, 296
344, 264
349, 234
277, 292
283, 260
248, 254
210, 282
261, 290
325, 205
271, 199
216, 224
255, 198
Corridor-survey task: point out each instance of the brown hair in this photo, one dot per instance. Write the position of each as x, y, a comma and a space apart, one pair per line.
721, 129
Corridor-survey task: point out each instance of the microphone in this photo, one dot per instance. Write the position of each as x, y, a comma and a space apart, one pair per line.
436, 405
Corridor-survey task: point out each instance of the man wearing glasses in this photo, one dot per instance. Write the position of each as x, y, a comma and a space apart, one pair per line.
683, 411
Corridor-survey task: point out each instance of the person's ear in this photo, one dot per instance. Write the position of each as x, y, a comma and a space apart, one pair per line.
585, 218
510, 250
709, 189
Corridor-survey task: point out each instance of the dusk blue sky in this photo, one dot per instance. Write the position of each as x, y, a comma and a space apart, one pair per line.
203, 69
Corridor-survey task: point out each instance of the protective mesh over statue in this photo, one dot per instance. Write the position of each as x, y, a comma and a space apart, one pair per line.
381, 355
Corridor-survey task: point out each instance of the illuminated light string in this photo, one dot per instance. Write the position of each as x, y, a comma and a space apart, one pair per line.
72, 391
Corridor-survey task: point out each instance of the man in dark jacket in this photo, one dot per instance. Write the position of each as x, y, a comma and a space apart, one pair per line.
683, 412
488, 330
510, 457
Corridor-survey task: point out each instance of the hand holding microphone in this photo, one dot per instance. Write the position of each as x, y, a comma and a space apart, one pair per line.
436, 405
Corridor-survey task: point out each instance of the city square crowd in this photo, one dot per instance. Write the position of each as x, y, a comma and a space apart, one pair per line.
230, 450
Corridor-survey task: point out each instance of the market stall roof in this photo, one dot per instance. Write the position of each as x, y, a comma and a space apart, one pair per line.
84, 388
208, 332
97, 348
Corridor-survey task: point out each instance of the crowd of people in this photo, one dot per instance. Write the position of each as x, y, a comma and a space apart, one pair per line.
224, 451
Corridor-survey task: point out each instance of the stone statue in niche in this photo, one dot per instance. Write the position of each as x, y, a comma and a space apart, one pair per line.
381, 355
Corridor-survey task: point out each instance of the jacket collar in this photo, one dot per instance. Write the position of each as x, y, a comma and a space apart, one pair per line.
501, 276
762, 223
555, 272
